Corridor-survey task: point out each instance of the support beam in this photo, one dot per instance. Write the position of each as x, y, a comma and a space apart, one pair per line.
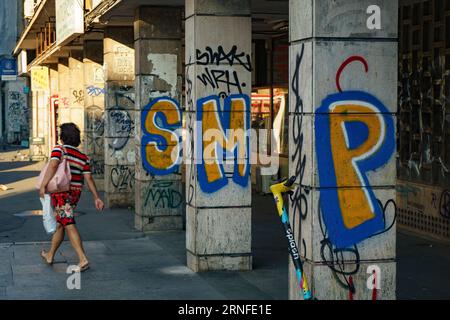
343, 101
94, 104
218, 87
120, 122
159, 196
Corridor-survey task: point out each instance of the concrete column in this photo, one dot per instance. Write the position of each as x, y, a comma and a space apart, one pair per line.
218, 86
40, 146
94, 109
343, 100
118, 48
159, 199
63, 91
76, 91
17, 113
53, 103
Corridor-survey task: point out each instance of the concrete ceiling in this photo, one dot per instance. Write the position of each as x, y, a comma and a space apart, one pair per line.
269, 17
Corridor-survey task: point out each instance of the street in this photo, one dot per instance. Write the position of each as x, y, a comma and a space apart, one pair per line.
127, 264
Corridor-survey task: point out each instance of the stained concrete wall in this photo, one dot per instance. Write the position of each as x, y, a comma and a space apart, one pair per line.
159, 196
64, 91
76, 91
120, 119
94, 109
342, 73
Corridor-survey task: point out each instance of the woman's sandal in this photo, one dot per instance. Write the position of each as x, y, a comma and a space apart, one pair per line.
44, 257
83, 268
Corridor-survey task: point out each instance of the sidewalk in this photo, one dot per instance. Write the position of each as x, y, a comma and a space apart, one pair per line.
126, 264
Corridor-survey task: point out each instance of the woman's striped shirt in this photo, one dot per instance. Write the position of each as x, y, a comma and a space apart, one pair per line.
78, 161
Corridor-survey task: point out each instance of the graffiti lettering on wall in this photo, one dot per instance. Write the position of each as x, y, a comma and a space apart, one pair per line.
95, 127
123, 60
355, 134
221, 78
337, 259
122, 178
97, 167
17, 113
164, 195
94, 91
161, 141
209, 56
299, 199
190, 118
121, 127
95, 120
78, 96
224, 136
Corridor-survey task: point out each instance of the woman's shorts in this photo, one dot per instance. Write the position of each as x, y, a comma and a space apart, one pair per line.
64, 204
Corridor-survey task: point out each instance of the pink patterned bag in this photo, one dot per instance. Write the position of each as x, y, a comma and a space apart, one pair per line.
61, 180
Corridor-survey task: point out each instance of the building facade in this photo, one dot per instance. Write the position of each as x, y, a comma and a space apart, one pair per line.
15, 112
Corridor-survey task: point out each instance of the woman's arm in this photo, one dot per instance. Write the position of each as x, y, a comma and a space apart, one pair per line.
92, 187
51, 170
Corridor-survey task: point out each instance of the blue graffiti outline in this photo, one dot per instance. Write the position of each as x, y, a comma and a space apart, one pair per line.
339, 235
160, 142
224, 118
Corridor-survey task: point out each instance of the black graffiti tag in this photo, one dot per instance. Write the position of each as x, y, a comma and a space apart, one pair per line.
97, 167
163, 195
78, 96
122, 178
214, 78
121, 127
231, 58
299, 198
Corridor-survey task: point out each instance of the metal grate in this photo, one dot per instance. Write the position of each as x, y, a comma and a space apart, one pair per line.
424, 223
424, 106
424, 91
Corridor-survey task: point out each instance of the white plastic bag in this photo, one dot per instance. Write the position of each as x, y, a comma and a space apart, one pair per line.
48, 216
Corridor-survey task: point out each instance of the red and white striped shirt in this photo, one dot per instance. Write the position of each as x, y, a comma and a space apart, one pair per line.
79, 163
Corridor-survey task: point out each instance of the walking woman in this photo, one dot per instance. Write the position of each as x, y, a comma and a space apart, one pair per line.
64, 203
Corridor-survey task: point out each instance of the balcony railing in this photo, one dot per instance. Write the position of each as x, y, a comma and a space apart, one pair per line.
46, 38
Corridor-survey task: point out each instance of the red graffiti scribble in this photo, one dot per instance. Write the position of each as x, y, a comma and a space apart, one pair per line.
65, 101
345, 64
350, 290
374, 290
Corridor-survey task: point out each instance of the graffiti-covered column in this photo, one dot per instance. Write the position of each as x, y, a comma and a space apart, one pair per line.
118, 48
218, 85
17, 114
343, 100
94, 109
159, 200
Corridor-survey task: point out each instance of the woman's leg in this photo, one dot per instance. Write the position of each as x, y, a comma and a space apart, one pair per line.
57, 239
75, 240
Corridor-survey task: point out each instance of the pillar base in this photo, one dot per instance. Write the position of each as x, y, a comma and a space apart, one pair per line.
119, 200
327, 284
165, 223
200, 263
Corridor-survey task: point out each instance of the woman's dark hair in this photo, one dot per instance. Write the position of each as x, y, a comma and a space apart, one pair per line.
70, 134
